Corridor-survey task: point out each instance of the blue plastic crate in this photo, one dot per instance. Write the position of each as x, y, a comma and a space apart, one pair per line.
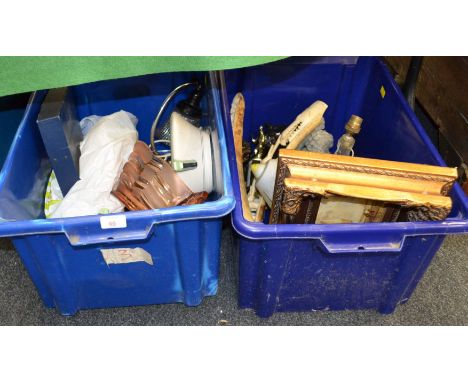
63, 256
341, 266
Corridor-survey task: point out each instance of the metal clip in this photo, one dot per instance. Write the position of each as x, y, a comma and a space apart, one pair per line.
183, 165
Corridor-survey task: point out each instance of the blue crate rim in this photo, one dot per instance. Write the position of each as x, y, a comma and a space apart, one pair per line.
209, 210
261, 231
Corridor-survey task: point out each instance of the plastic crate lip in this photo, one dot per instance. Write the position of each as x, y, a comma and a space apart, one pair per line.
212, 209
208, 210
260, 231
139, 223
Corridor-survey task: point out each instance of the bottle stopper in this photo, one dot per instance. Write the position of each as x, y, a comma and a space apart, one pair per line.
354, 125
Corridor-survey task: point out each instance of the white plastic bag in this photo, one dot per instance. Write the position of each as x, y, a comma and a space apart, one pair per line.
53, 195
104, 151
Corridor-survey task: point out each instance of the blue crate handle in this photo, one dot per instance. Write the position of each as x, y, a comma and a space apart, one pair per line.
87, 230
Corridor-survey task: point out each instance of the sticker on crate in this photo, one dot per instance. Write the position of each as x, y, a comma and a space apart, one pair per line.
113, 221
126, 255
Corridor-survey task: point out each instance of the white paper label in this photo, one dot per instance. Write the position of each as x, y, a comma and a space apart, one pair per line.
126, 255
113, 221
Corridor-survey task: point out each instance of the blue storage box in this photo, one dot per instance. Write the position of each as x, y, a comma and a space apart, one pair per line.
63, 256
341, 266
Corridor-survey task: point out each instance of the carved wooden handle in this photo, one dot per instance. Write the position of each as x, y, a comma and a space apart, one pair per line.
237, 121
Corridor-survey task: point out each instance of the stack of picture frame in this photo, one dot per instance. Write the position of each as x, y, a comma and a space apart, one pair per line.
322, 188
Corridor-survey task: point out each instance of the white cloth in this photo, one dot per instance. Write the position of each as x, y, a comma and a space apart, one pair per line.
104, 151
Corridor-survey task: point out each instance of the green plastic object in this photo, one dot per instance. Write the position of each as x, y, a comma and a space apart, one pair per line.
25, 74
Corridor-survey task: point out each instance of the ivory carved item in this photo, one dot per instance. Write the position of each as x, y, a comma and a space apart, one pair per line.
324, 188
299, 129
304, 124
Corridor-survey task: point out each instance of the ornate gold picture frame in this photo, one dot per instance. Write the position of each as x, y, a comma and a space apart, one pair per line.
324, 188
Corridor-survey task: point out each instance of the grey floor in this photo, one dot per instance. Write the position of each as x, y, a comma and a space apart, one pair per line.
440, 299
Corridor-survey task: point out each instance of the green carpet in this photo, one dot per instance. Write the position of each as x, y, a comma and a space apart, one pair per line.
24, 74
